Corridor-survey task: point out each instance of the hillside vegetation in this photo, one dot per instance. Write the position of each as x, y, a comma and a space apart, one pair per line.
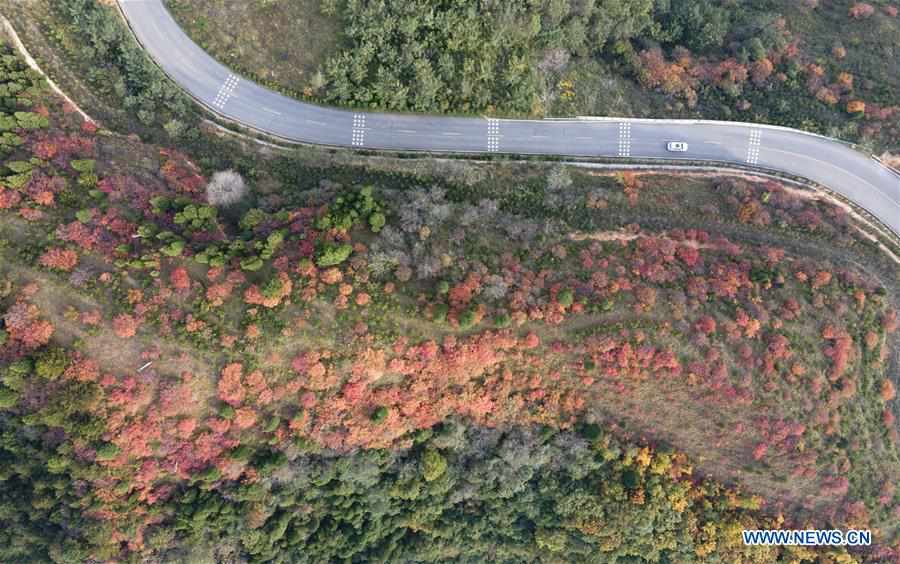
269, 360
828, 67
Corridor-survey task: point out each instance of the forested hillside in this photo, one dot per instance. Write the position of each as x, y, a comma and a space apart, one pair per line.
264, 359
828, 67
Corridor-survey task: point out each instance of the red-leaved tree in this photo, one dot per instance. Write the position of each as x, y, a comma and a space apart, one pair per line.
231, 389
180, 279
59, 259
125, 326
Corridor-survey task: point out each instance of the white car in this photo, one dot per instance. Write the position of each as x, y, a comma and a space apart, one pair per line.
677, 146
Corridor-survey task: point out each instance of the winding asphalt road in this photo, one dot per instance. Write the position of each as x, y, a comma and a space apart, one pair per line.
860, 178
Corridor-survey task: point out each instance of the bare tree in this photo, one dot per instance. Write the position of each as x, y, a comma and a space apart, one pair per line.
558, 182
554, 60
225, 188
318, 80
382, 263
496, 288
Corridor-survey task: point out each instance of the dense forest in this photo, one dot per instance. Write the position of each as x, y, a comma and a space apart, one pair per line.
446, 56
215, 353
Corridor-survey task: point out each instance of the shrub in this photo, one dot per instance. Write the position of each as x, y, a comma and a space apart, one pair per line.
83, 165
251, 264
348, 209
590, 431
630, 479
856, 106
18, 181
19, 167
252, 218
377, 222
433, 465
31, 120
439, 312
380, 414
51, 363
270, 462
242, 452
467, 319
333, 255
173, 249
273, 243
211, 474
8, 397
272, 424
15, 374
196, 217
88, 180
107, 452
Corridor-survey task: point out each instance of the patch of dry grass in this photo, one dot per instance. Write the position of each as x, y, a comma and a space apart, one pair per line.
281, 42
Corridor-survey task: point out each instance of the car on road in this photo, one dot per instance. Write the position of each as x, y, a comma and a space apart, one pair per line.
677, 146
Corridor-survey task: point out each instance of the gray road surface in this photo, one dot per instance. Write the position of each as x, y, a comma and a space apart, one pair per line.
858, 177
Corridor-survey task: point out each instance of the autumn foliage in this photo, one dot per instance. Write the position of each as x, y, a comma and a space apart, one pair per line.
435, 322
230, 387
888, 391
180, 279
273, 294
856, 106
180, 173
125, 326
861, 10
24, 325
59, 259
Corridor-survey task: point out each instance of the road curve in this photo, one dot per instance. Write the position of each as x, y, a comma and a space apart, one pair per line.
858, 177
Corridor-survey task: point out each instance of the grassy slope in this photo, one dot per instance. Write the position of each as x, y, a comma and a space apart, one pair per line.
871, 44
671, 412
282, 42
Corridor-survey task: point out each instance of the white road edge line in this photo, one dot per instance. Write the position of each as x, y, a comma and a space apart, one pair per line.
829, 165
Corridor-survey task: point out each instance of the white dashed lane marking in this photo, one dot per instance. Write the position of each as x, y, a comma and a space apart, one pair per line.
493, 138
753, 146
625, 139
226, 91
359, 130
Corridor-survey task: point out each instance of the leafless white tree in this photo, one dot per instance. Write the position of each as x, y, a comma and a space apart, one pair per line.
225, 188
